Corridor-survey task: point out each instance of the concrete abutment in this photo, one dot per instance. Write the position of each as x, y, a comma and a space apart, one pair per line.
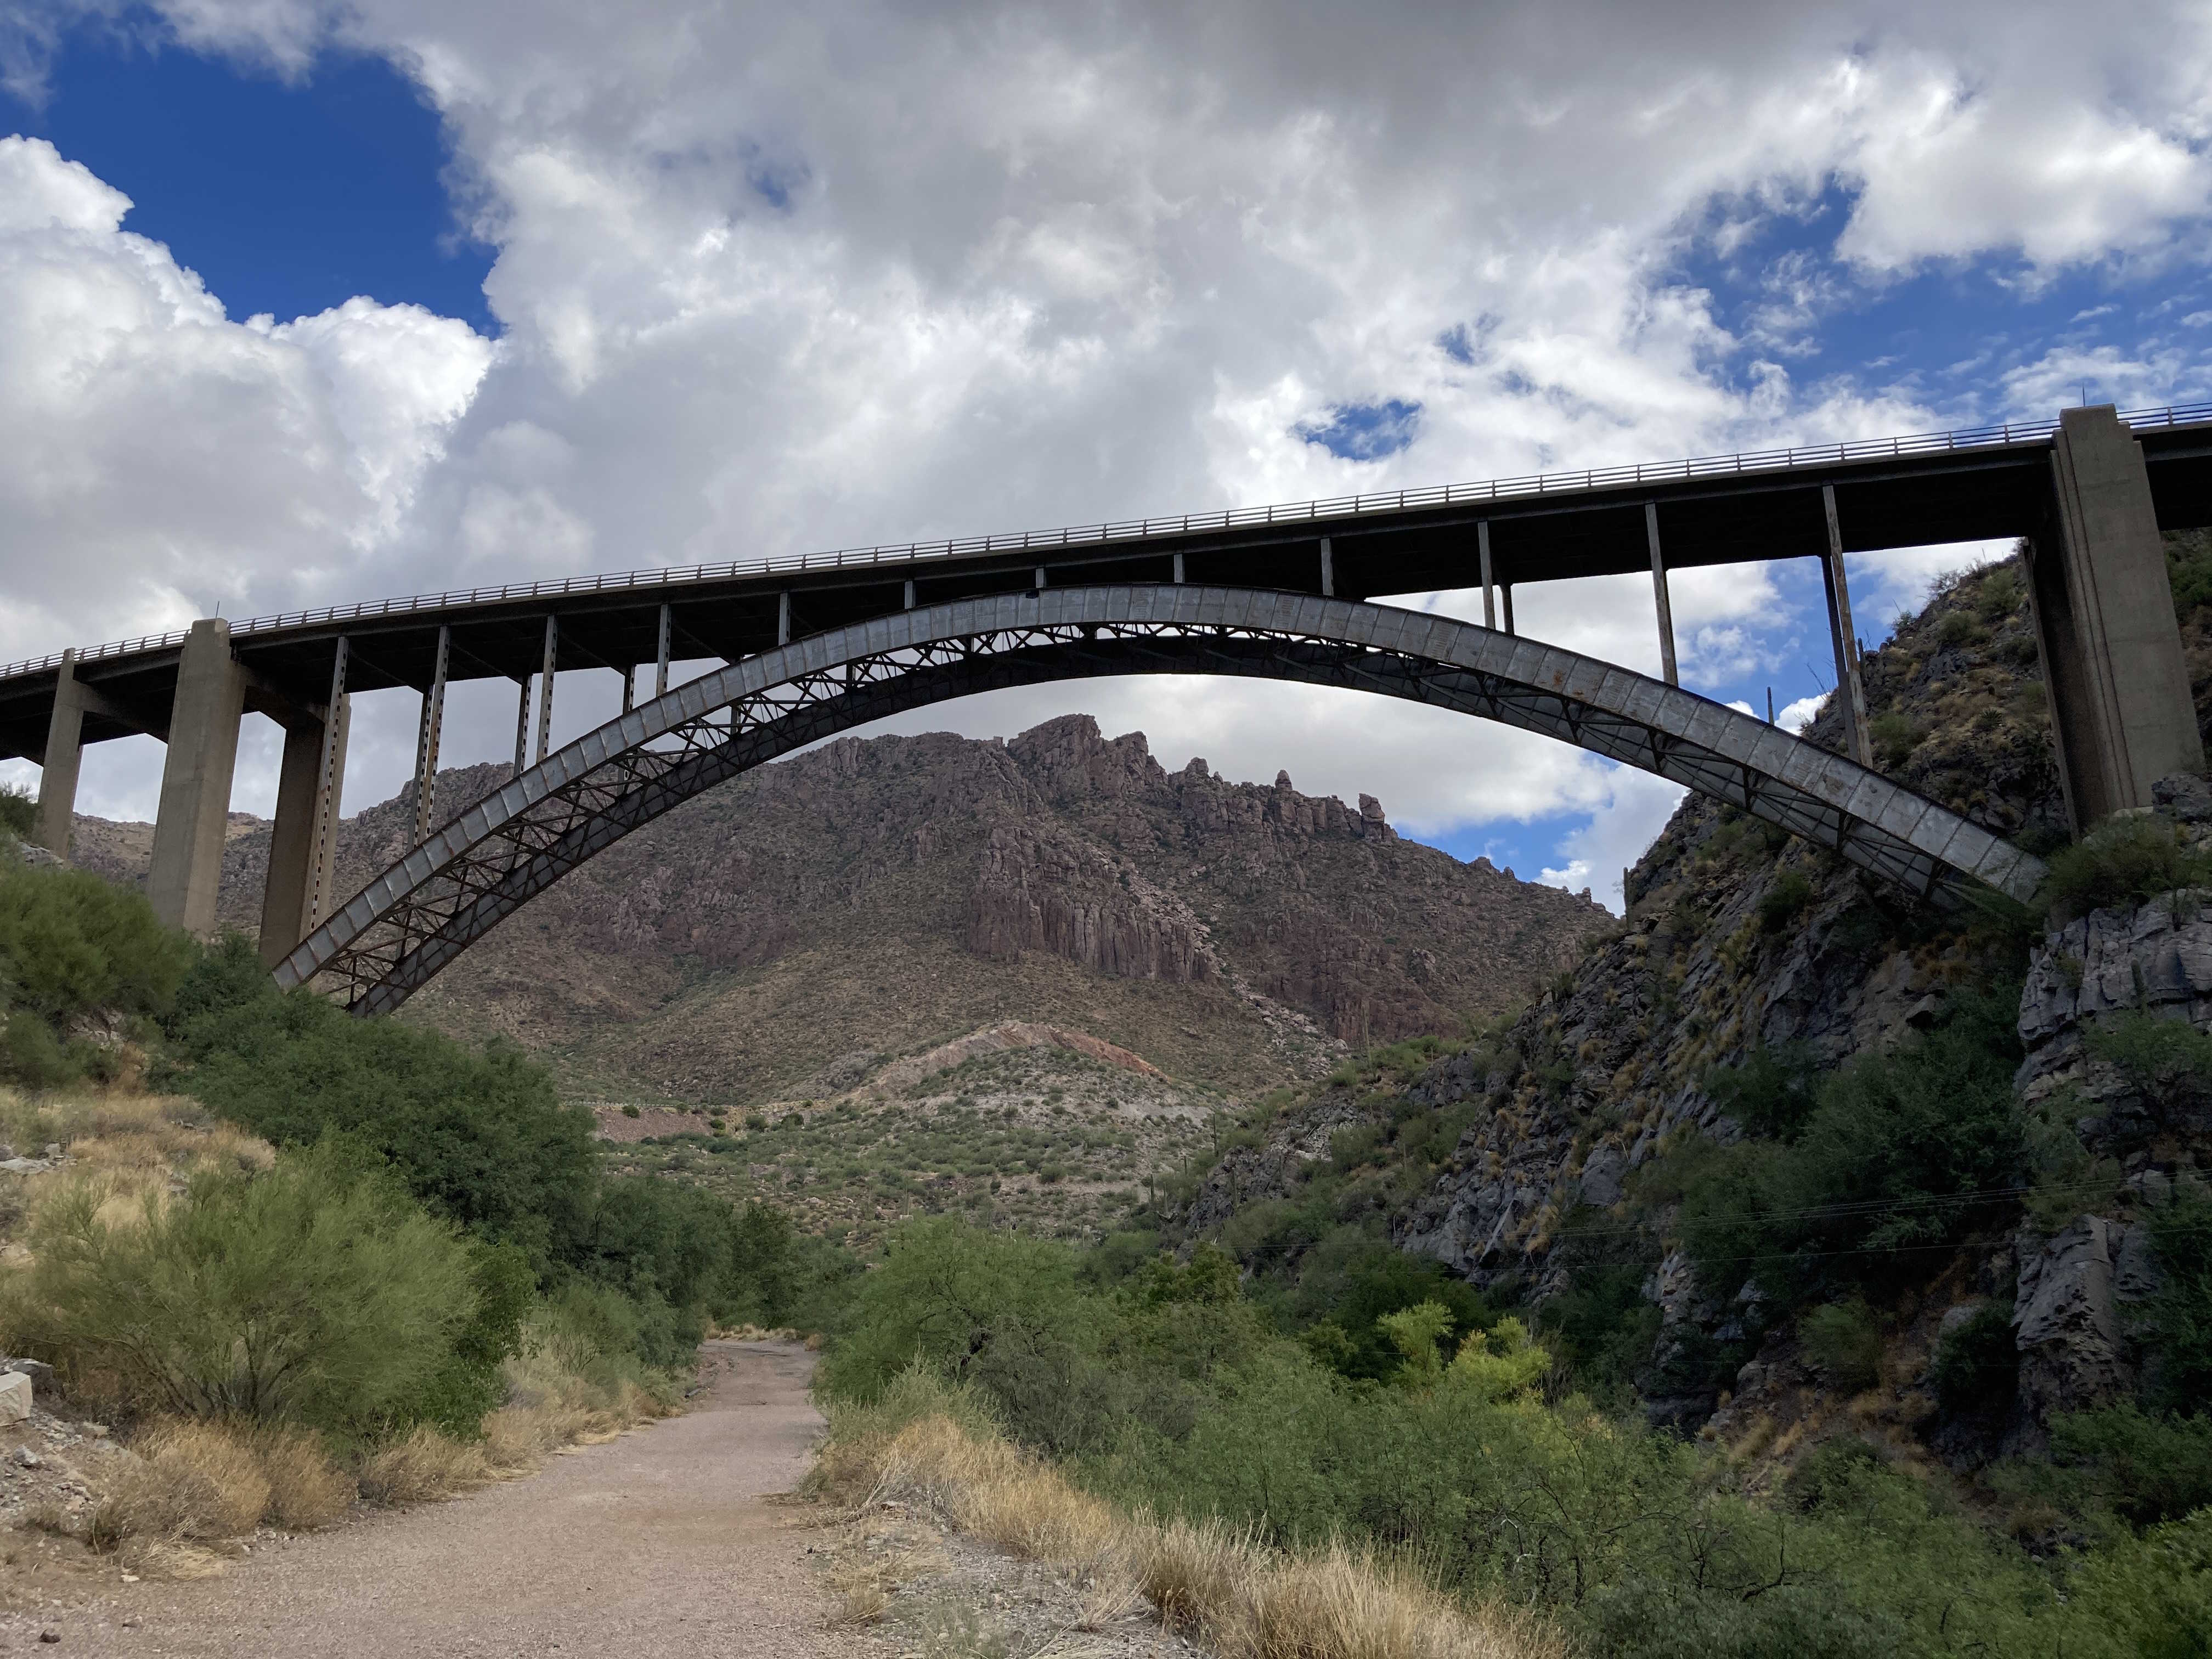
2120, 700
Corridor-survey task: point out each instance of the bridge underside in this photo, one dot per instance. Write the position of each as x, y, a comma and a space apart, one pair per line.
413, 919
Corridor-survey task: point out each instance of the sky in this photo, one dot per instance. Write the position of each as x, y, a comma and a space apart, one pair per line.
306, 303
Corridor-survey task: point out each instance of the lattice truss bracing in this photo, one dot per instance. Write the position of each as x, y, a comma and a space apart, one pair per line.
406, 925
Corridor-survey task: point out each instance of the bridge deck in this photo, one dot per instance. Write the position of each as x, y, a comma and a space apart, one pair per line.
1952, 487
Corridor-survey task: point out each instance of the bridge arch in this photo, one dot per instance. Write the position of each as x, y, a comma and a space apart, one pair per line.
415, 918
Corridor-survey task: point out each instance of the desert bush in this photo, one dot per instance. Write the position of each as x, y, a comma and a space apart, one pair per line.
311, 1293
2179, 1316
1789, 893
19, 810
478, 1137
1872, 1181
1844, 1342
73, 945
2146, 1468
2122, 861
1977, 1362
420, 1466
191, 1480
1770, 1092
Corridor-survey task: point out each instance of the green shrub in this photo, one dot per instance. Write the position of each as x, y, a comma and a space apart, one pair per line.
1869, 1189
1844, 1342
2122, 861
2152, 1597
631, 1111
1894, 736
73, 945
2180, 1313
479, 1137
2154, 1051
1770, 1092
19, 810
2147, 1468
1789, 893
1977, 1363
307, 1293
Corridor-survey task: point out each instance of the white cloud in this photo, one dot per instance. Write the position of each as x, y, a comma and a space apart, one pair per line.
1634, 810
1796, 716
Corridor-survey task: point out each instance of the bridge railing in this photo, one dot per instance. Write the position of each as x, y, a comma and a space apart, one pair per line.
1037, 541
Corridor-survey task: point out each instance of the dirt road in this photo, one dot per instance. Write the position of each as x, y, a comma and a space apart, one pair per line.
659, 1543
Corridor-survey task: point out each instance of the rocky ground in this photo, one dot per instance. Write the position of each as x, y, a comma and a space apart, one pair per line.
1018, 1125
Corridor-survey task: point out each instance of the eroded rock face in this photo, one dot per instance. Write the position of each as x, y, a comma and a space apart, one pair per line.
1278, 926
2066, 1320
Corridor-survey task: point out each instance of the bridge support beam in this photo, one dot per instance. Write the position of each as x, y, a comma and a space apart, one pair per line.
59, 764
1327, 570
1851, 683
300, 840
1659, 594
433, 728
1489, 596
2120, 698
522, 726
196, 776
668, 626
545, 688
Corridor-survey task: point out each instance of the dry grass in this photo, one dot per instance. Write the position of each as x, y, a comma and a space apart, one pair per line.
192, 1480
421, 1466
1242, 1598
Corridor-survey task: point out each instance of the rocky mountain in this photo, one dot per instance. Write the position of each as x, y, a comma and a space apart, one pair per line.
788, 932
1548, 1161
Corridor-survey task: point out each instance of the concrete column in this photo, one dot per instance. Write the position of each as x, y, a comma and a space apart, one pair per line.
630, 688
1851, 683
425, 739
1327, 570
1040, 579
660, 662
1178, 570
545, 688
522, 726
1659, 594
322, 864
1489, 598
292, 841
195, 805
783, 617
1505, 602
2119, 691
65, 749
910, 594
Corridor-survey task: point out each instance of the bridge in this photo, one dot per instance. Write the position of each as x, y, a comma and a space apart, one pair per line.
817, 644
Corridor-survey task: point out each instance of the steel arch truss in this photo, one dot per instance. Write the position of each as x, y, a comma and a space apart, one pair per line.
406, 925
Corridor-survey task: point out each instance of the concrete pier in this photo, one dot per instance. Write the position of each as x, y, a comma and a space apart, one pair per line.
59, 764
195, 803
2120, 690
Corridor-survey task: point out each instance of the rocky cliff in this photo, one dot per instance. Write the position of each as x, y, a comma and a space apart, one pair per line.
876, 896
1520, 1161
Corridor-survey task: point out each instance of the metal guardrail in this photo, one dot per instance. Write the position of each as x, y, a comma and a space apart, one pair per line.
1540, 483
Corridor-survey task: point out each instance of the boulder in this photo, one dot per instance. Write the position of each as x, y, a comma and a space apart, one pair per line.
14, 1397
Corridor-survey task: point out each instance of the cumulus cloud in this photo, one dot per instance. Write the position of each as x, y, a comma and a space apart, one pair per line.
774, 280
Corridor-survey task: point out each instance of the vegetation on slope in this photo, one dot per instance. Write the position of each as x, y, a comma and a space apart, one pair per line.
1165, 1389
340, 1255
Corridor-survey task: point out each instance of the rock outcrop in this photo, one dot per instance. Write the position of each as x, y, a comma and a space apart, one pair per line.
884, 894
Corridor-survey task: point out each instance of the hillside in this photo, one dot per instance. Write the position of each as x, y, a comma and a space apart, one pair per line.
788, 933
1783, 1136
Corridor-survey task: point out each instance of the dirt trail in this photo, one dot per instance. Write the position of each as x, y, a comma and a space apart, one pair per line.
659, 1543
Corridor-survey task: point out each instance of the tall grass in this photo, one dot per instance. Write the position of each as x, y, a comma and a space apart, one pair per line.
922, 1442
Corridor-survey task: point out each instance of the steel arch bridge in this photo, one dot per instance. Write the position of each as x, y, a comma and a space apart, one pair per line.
415, 918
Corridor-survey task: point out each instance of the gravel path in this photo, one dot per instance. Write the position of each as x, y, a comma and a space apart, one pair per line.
658, 1543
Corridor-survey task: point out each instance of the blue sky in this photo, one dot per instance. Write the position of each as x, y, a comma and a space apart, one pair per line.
544, 296
286, 196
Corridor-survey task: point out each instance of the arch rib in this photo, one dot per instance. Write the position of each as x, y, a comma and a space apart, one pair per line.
409, 922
